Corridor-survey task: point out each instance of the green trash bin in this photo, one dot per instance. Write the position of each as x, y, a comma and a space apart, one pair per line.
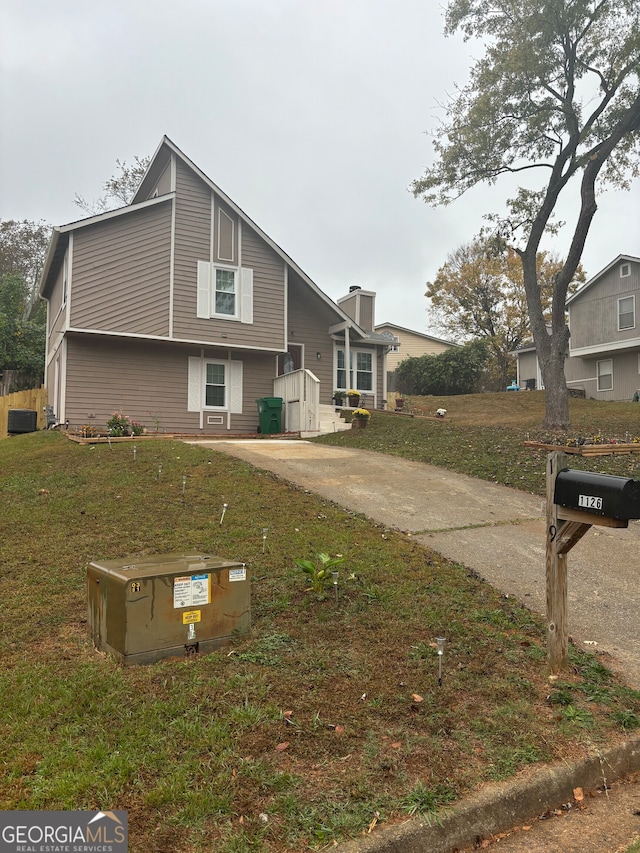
270, 415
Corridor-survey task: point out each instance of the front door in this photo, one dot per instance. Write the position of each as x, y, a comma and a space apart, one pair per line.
290, 360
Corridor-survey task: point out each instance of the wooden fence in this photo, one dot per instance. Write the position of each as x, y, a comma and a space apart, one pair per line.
35, 400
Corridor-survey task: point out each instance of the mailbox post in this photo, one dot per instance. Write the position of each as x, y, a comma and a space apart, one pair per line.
575, 501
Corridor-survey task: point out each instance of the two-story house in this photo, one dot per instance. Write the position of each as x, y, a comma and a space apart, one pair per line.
603, 360
178, 309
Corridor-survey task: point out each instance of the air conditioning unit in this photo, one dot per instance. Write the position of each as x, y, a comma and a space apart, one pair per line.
22, 420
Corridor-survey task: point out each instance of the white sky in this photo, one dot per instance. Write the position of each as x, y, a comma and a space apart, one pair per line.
312, 115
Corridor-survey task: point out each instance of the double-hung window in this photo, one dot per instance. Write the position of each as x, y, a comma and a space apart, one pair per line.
605, 374
626, 313
225, 292
225, 296
215, 392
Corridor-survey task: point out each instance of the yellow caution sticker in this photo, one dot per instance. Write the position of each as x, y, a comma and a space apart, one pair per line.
191, 616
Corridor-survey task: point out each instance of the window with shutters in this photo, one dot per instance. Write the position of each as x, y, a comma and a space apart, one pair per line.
225, 292
215, 392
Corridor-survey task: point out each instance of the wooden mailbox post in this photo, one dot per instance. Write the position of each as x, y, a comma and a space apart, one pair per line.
566, 525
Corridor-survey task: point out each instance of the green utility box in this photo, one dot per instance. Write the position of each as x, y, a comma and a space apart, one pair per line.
270, 415
142, 610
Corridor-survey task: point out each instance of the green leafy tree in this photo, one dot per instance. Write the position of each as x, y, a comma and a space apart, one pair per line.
479, 293
119, 189
459, 370
22, 335
23, 249
555, 96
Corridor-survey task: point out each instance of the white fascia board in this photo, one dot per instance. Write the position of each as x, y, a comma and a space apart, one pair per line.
114, 214
619, 259
603, 349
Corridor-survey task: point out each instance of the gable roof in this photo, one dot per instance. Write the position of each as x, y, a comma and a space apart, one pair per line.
157, 165
598, 276
417, 334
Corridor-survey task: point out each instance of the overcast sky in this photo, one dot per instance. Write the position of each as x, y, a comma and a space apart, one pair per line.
312, 115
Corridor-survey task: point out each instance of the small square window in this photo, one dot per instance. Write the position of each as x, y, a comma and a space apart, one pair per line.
625, 270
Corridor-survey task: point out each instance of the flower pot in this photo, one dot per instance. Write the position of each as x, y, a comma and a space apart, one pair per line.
359, 423
354, 401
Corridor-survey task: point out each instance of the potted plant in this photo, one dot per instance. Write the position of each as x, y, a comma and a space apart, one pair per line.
338, 396
354, 398
360, 418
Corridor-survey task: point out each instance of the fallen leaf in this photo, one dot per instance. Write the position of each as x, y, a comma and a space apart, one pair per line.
339, 730
526, 828
416, 697
578, 795
282, 746
287, 714
396, 745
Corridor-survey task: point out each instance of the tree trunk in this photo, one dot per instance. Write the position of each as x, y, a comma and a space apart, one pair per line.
556, 393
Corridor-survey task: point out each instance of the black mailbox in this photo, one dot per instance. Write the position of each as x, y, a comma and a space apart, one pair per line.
600, 494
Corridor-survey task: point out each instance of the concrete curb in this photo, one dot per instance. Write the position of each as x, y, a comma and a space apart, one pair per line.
503, 806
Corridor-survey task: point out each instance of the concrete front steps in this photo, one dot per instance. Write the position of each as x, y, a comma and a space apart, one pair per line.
330, 421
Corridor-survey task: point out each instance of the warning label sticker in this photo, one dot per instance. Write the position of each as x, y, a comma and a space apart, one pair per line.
191, 591
237, 575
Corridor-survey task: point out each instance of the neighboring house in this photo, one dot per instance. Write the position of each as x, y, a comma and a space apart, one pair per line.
603, 360
179, 310
410, 345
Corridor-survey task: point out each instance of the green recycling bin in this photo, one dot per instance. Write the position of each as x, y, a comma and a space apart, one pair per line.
270, 415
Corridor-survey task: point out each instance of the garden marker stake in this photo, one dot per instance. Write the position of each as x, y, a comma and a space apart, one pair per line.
184, 484
159, 471
440, 641
224, 509
265, 530
334, 575
135, 450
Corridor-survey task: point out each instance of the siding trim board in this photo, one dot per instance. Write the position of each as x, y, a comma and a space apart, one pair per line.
610, 346
192, 341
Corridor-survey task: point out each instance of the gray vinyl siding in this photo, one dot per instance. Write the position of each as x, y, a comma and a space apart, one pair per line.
581, 373
593, 317
143, 378
121, 273
309, 321
528, 367
193, 244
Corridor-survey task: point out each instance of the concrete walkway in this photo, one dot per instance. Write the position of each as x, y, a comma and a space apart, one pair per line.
497, 531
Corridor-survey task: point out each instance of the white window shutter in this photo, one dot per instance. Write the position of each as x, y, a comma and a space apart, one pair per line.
204, 290
235, 387
246, 295
194, 394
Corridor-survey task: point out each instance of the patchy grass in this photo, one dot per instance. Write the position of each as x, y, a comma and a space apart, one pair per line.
483, 435
328, 717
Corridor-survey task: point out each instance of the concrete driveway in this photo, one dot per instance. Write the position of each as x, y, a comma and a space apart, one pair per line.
497, 531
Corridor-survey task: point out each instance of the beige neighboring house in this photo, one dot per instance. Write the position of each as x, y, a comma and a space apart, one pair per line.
603, 361
410, 344
179, 309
